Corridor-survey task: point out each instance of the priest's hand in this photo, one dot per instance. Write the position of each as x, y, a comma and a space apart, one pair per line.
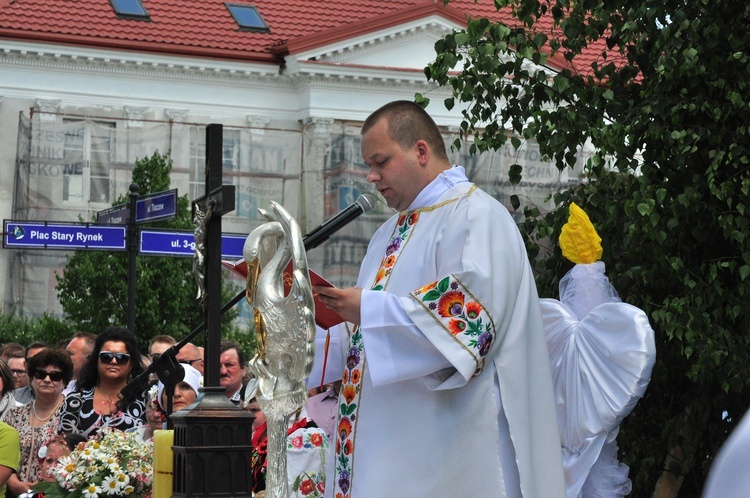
345, 302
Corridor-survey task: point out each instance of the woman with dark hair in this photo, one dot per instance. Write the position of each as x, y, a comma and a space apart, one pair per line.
7, 400
98, 401
36, 422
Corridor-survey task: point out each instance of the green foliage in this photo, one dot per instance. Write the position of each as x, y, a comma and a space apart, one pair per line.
93, 289
25, 330
665, 105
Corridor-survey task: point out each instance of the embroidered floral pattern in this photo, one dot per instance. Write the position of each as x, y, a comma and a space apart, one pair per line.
312, 485
403, 229
453, 306
306, 440
310, 482
351, 388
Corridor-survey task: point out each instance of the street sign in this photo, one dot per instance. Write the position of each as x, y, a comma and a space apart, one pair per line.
64, 236
163, 243
116, 215
149, 208
182, 244
158, 206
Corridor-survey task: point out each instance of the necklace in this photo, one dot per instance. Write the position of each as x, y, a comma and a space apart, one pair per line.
49, 416
109, 401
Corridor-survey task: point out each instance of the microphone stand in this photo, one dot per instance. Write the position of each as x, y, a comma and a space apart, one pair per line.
169, 371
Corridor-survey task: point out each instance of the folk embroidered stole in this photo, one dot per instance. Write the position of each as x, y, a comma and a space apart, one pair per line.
351, 386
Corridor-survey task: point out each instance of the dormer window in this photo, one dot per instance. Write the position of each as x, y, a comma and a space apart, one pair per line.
248, 18
130, 9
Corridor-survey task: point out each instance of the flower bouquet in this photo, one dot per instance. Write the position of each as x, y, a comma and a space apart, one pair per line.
112, 463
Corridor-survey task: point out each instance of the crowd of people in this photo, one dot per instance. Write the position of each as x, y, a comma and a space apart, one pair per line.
54, 396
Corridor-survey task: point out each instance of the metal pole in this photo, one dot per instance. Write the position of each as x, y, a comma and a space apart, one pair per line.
132, 256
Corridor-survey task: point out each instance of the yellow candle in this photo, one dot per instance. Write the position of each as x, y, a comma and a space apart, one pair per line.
163, 463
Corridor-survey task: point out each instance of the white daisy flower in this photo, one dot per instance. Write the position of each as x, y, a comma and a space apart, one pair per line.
91, 491
109, 485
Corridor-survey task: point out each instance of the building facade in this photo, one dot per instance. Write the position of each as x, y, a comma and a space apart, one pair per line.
77, 110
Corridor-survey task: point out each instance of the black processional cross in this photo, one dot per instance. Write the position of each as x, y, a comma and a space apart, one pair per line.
212, 445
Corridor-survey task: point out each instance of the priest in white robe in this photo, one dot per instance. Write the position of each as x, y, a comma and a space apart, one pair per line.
446, 386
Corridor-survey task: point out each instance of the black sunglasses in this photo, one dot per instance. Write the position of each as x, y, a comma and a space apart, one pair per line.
190, 362
54, 376
120, 358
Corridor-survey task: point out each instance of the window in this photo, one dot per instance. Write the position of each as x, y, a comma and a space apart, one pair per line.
88, 157
130, 9
248, 18
230, 159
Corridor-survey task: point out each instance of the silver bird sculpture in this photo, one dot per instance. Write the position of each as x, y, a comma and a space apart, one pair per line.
285, 328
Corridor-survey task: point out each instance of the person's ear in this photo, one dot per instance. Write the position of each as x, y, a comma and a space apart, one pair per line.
423, 152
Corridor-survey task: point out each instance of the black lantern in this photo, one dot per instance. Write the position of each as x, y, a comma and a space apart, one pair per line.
212, 448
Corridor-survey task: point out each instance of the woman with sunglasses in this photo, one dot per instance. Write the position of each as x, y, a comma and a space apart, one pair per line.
36, 422
99, 401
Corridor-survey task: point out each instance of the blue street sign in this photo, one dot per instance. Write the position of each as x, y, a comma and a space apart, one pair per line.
162, 243
182, 244
116, 215
232, 245
159, 206
151, 207
70, 236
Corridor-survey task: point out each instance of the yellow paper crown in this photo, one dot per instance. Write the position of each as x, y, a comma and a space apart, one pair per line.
579, 241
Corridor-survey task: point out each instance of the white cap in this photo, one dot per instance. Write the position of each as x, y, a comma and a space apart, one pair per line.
192, 376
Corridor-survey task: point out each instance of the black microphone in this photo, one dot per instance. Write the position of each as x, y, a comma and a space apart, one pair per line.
363, 204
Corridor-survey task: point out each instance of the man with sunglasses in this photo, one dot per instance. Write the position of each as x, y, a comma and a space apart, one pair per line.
189, 354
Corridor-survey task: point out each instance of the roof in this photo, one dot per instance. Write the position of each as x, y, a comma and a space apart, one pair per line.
205, 28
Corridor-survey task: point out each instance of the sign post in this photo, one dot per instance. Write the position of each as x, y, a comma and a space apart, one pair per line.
132, 256
146, 209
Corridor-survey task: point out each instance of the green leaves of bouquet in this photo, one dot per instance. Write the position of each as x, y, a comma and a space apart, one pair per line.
113, 463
